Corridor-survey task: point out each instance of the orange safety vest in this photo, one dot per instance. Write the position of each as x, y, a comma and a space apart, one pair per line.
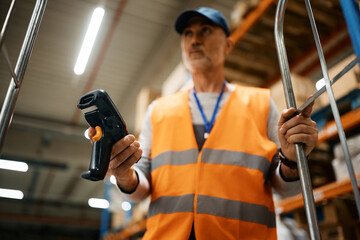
223, 189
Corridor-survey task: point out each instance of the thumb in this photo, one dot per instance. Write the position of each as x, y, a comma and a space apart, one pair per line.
91, 132
286, 114
307, 111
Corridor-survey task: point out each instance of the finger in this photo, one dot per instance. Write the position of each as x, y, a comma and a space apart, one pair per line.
307, 139
300, 129
124, 166
127, 152
297, 120
122, 144
286, 114
117, 160
134, 158
307, 111
91, 132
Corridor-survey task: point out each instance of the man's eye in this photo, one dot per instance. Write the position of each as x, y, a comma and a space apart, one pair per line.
187, 33
206, 30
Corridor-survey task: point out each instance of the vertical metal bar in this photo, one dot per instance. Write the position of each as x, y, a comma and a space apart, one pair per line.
306, 187
25, 52
333, 106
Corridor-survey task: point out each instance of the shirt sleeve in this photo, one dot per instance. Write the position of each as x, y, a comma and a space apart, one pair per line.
272, 121
281, 186
143, 166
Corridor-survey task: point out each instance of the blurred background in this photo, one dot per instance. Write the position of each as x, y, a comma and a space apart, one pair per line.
136, 58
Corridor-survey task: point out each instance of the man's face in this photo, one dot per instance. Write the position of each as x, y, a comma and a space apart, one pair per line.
204, 45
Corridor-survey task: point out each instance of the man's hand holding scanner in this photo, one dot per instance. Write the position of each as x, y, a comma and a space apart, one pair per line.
101, 113
124, 154
294, 129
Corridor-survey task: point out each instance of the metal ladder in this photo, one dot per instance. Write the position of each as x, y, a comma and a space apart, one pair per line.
18, 72
304, 174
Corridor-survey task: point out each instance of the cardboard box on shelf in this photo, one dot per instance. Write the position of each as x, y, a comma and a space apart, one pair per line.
337, 219
143, 100
341, 231
346, 83
353, 144
302, 87
341, 169
332, 233
327, 215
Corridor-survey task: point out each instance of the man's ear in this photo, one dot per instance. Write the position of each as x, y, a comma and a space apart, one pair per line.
229, 45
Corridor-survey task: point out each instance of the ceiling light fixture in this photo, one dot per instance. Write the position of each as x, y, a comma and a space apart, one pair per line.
13, 165
89, 40
11, 193
98, 203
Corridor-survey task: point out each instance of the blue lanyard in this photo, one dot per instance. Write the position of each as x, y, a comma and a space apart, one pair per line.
209, 125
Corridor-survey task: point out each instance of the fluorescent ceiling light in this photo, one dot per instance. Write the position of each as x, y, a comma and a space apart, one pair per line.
89, 40
13, 165
320, 84
98, 203
10, 193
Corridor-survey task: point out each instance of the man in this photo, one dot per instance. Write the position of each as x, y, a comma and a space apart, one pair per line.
211, 154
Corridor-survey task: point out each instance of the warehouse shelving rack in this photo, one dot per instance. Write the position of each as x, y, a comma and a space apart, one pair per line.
306, 187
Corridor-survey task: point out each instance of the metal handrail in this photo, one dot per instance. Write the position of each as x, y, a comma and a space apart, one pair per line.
304, 174
20, 67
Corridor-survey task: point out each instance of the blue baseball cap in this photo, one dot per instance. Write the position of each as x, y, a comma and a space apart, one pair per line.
211, 14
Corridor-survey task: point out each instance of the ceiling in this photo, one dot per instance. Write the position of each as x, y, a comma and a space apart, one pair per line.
136, 48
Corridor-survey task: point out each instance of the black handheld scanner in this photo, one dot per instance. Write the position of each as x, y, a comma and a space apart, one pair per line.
100, 111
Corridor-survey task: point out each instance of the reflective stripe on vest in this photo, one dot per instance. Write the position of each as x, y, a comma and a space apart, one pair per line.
237, 159
172, 204
174, 158
235, 210
222, 189
212, 156
215, 206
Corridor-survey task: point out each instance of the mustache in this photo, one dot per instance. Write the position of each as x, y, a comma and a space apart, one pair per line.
195, 48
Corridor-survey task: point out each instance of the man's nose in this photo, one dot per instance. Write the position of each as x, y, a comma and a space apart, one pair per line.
196, 39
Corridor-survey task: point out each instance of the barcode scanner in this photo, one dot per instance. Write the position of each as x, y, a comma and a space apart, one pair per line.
101, 114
